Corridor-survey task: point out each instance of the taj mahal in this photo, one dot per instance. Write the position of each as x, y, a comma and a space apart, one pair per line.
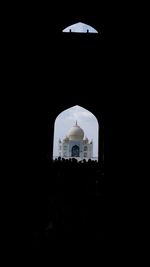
75, 145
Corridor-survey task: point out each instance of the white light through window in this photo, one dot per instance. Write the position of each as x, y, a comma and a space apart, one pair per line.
80, 27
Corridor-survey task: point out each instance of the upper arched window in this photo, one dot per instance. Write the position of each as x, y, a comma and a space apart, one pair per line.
81, 28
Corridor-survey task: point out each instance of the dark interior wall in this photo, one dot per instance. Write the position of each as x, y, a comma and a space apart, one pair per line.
49, 72
59, 71
52, 71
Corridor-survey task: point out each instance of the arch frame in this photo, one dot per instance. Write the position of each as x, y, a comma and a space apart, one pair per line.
99, 115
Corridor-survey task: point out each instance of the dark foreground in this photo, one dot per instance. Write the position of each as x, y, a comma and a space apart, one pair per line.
68, 205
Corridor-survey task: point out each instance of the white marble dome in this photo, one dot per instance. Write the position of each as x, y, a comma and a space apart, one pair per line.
76, 133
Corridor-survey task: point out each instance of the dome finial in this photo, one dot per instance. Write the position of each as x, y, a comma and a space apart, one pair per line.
76, 123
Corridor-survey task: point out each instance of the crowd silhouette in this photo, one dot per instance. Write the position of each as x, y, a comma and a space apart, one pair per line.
73, 203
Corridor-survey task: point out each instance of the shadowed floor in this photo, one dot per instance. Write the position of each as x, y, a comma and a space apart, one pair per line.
74, 210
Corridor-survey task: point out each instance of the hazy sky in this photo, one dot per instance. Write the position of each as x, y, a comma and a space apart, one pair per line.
80, 27
85, 119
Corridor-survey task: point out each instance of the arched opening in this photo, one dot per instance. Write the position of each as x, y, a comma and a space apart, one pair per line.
76, 134
80, 28
75, 151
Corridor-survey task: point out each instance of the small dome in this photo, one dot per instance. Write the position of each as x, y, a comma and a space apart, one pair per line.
66, 138
76, 133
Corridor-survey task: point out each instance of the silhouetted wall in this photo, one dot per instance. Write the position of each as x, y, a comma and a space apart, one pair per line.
51, 72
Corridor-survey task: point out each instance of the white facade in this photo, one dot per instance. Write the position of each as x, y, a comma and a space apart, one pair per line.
74, 145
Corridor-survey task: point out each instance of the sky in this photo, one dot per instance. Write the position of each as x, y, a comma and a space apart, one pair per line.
85, 119
80, 27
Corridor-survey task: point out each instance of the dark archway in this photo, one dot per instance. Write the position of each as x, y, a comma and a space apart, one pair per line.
75, 152
47, 88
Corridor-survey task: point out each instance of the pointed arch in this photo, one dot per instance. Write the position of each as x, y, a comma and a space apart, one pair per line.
80, 27
85, 118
